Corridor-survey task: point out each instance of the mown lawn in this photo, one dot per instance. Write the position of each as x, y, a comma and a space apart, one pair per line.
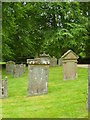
65, 99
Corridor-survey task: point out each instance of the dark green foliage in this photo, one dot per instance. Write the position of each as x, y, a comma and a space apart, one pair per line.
33, 27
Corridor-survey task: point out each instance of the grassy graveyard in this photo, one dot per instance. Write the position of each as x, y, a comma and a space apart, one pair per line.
65, 99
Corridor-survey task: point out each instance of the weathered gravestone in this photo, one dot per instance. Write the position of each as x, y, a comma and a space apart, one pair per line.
10, 67
60, 62
53, 61
24, 65
4, 88
18, 70
21, 69
29, 60
69, 61
37, 77
44, 57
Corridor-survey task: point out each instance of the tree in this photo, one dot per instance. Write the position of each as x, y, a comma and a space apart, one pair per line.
31, 28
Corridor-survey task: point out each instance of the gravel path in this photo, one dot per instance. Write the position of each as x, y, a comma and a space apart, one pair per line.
83, 65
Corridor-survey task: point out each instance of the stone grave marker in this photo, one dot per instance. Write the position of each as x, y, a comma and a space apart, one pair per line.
19, 70
16, 70
37, 77
60, 62
44, 57
69, 61
24, 68
29, 60
4, 88
10, 66
53, 61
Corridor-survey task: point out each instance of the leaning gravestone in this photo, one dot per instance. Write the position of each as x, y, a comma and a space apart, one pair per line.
69, 61
53, 61
37, 77
4, 88
10, 67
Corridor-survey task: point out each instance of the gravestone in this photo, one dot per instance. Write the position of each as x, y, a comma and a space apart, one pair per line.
24, 68
37, 77
16, 70
9, 67
29, 60
4, 88
19, 70
44, 57
60, 62
69, 61
53, 61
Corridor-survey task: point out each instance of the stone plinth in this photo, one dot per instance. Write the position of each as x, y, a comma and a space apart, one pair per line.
69, 61
37, 77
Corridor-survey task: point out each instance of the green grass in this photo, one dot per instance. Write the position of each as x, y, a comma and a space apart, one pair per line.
65, 99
